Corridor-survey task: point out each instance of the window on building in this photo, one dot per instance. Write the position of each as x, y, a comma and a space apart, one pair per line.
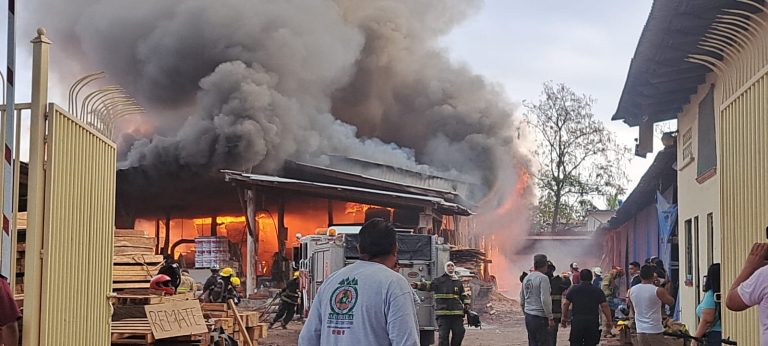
707, 155
688, 249
710, 239
696, 258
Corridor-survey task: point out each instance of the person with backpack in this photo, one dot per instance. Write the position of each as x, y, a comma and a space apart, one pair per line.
220, 291
171, 269
708, 310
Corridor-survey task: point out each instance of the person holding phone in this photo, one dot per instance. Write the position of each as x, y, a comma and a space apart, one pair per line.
750, 288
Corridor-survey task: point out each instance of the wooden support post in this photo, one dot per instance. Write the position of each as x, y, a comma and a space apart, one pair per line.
157, 236
330, 213
243, 330
167, 242
214, 226
282, 236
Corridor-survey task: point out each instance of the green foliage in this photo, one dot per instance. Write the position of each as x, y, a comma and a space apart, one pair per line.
580, 159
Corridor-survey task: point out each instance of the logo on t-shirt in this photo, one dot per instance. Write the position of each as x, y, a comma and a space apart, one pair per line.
342, 303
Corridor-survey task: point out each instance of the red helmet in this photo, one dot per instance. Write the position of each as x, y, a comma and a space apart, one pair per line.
162, 283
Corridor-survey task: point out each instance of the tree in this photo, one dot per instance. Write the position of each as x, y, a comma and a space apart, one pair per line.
579, 158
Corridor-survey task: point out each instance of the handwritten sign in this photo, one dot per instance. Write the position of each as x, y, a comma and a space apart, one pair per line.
175, 319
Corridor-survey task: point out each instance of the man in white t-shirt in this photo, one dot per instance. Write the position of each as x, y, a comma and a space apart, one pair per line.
750, 288
367, 302
646, 299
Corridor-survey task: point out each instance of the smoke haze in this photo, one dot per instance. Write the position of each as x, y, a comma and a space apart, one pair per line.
240, 84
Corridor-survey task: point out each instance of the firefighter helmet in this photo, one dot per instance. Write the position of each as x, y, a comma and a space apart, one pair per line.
162, 283
227, 272
235, 281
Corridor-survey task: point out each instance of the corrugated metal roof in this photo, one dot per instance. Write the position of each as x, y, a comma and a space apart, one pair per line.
660, 81
348, 192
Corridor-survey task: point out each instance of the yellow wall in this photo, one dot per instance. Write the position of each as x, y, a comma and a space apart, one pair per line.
745, 193
743, 158
696, 200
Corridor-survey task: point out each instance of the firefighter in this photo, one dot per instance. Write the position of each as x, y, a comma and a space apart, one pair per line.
171, 269
289, 299
210, 282
187, 282
451, 303
232, 291
162, 283
219, 292
558, 286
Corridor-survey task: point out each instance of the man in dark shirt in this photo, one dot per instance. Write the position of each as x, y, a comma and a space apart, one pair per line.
634, 274
558, 285
587, 301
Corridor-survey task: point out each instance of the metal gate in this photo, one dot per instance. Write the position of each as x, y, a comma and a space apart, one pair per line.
78, 227
71, 203
744, 189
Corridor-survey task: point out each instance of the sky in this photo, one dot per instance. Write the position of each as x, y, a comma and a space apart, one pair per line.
588, 45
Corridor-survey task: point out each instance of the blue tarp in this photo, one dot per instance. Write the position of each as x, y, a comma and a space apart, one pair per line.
667, 222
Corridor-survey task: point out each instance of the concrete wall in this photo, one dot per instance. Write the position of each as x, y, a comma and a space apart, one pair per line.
696, 199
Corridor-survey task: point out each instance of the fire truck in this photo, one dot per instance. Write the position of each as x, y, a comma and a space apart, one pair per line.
420, 257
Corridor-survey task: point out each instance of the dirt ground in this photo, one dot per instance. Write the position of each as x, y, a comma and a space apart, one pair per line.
505, 326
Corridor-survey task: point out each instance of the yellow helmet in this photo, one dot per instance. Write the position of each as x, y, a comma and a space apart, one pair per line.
235, 281
226, 272
295, 275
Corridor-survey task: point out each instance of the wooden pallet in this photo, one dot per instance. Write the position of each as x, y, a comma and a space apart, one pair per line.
138, 332
225, 316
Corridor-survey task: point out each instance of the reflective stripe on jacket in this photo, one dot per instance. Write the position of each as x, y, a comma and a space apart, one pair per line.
449, 295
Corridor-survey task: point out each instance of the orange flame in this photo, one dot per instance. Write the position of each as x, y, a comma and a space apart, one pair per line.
355, 208
520, 189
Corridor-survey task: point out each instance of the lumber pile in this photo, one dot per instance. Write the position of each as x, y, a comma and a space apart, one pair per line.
134, 271
136, 331
131, 326
134, 262
471, 259
226, 316
132, 242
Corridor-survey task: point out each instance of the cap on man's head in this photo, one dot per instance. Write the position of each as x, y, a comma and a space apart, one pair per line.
540, 256
574, 265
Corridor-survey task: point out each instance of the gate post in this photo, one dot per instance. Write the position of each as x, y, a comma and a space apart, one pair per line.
35, 198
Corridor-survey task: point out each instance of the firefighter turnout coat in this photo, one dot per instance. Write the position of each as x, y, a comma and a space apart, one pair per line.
449, 295
290, 294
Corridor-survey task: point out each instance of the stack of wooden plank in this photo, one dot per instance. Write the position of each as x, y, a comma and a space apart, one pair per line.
136, 331
134, 271
131, 326
471, 259
224, 316
135, 262
132, 242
